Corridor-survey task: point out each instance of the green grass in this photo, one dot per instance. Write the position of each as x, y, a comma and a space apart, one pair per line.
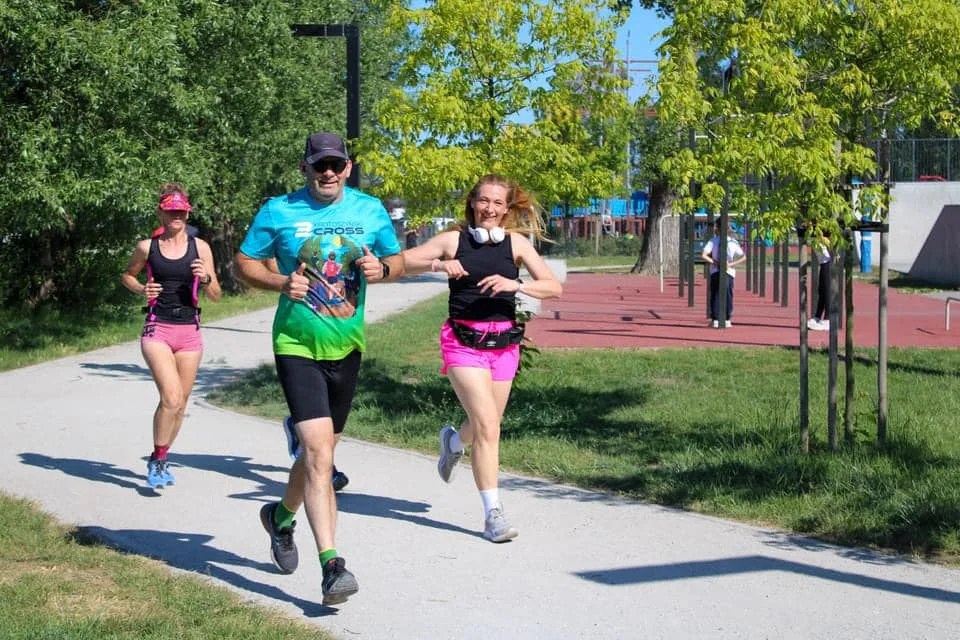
57, 582
587, 262
710, 430
903, 282
27, 339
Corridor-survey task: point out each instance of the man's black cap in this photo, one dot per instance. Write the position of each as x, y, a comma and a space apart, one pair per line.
324, 145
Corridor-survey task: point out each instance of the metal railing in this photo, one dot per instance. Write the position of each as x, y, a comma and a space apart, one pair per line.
923, 159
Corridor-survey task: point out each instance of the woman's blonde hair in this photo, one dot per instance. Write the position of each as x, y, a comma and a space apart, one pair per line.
523, 210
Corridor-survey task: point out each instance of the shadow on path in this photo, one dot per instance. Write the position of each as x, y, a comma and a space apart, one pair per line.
209, 376
396, 509
268, 489
192, 552
753, 564
91, 470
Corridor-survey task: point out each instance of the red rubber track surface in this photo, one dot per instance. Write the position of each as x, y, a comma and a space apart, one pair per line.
629, 311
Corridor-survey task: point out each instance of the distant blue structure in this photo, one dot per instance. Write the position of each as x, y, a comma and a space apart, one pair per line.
637, 205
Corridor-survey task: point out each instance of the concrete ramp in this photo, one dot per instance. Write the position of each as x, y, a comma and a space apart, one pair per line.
939, 258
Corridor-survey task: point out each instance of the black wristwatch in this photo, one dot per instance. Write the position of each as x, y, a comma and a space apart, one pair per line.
386, 270
207, 281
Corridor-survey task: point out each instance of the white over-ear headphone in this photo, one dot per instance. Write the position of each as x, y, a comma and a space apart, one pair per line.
483, 236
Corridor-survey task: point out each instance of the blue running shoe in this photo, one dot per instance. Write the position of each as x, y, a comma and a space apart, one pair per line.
293, 440
168, 475
156, 477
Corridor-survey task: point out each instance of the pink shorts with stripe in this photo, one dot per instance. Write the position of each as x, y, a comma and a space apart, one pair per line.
502, 363
179, 337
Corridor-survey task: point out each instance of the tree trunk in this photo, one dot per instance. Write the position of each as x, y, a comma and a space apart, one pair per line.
849, 408
223, 247
661, 204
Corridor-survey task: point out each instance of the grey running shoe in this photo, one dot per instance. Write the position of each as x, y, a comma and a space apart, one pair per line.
448, 457
338, 583
497, 529
293, 440
283, 550
340, 479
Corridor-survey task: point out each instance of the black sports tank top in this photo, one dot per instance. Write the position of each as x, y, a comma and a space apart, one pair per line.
177, 303
480, 261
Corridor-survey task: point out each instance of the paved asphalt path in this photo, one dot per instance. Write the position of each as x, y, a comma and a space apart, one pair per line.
586, 565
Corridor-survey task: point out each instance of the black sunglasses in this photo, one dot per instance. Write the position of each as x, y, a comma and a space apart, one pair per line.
337, 165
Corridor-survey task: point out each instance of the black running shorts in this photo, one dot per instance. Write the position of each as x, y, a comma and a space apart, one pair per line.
319, 388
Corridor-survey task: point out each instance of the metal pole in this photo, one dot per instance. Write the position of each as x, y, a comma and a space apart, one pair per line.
763, 269
691, 266
722, 292
776, 272
832, 359
352, 34
757, 246
681, 264
785, 263
814, 282
804, 359
882, 342
848, 401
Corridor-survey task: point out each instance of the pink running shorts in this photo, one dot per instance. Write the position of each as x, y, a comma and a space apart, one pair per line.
179, 337
502, 363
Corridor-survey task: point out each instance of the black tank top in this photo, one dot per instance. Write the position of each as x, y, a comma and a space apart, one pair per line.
176, 303
480, 261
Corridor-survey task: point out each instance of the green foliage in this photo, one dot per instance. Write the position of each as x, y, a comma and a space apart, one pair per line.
473, 73
102, 102
50, 332
792, 88
652, 140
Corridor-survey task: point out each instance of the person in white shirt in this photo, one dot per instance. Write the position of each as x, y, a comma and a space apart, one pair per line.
735, 255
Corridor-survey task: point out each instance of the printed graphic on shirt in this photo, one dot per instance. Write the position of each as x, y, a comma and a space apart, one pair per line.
333, 274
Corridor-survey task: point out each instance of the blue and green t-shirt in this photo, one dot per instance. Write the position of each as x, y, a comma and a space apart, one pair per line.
327, 238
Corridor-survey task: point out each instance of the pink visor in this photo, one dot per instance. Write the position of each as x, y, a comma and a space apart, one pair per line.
175, 202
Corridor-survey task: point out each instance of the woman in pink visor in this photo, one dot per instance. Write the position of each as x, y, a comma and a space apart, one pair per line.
178, 267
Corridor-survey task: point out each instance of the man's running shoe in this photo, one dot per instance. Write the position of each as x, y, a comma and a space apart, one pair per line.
448, 457
338, 583
340, 479
293, 440
496, 528
283, 550
156, 473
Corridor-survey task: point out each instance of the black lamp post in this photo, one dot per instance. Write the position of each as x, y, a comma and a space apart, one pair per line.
352, 34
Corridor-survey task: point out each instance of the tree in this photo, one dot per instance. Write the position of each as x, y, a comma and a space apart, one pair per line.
652, 142
104, 101
808, 80
527, 88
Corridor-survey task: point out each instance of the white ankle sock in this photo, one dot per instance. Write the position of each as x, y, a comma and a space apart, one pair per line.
491, 500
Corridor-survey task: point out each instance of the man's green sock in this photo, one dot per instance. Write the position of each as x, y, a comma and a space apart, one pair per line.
327, 555
283, 517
